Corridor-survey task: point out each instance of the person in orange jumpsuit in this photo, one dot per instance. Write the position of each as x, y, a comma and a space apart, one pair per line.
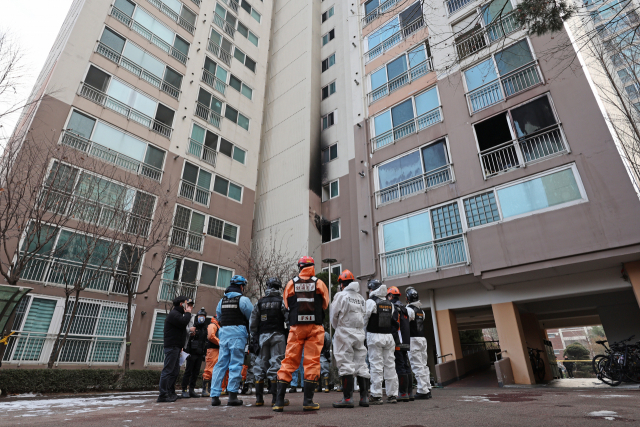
213, 346
306, 297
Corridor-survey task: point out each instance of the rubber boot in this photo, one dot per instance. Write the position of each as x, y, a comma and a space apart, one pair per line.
215, 401
347, 393
403, 396
185, 394
206, 388
363, 383
412, 397
293, 390
325, 384
281, 389
308, 404
192, 392
233, 399
274, 391
259, 393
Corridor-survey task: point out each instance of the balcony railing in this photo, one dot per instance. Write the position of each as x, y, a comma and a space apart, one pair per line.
421, 122
60, 272
137, 70
396, 38
113, 104
430, 256
518, 153
402, 80
170, 289
224, 25
187, 239
415, 185
233, 4
36, 347
115, 217
485, 36
213, 82
201, 151
512, 83
455, 5
197, 2
208, 115
173, 15
378, 11
147, 34
111, 156
193, 192
222, 54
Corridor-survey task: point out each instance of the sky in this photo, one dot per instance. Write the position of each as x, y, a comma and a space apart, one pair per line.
34, 25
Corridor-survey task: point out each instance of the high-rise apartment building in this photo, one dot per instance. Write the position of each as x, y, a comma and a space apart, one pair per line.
428, 144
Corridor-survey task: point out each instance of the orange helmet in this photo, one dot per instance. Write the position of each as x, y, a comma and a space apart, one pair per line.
305, 261
346, 276
394, 291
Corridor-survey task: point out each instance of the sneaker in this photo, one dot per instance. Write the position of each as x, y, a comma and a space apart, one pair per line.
375, 400
391, 399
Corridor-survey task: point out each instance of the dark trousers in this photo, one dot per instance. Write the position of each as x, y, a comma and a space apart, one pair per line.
170, 371
402, 362
570, 371
192, 371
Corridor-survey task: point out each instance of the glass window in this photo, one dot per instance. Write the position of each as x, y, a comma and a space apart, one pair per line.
379, 78
434, 156
126, 6
255, 15
80, 124
382, 123
539, 193
250, 64
417, 56
239, 155
246, 6
370, 6
224, 277
496, 9
173, 78
221, 185
181, 45
98, 79
154, 157
239, 55
406, 232
386, 31
231, 114
215, 227
235, 192
113, 40
230, 233
242, 29
226, 147
396, 67
446, 221
533, 116
335, 230
247, 91
253, 38
427, 101
411, 14
513, 57
481, 209
402, 113
482, 73
243, 122
334, 189
190, 173
209, 275
235, 83
399, 170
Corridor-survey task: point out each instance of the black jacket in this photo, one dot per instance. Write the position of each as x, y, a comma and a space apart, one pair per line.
197, 342
175, 327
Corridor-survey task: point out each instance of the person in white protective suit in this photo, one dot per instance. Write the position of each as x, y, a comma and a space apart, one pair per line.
381, 319
347, 318
418, 349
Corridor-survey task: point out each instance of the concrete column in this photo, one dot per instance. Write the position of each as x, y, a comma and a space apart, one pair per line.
534, 337
633, 270
512, 341
449, 335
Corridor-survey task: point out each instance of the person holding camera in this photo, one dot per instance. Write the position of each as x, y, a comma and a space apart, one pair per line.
196, 347
174, 337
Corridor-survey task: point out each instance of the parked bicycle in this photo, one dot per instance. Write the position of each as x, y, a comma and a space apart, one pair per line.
537, 364
620, 363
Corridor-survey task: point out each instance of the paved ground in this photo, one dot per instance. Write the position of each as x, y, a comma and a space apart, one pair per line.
453, 406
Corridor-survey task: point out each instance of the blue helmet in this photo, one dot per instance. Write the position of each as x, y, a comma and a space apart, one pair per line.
238, 281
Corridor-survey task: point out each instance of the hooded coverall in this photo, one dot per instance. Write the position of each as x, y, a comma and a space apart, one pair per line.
309, 336
272, 344
347, 318
325, 356
418, 355
233, 340
381, 349
212, 351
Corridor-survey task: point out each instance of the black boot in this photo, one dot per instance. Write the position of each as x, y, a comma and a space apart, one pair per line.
293, 390
308, 404
233, 399
363, 383
412, 397
259, 393
185, 394
192, 392
325, 384
403, 396
274, 391
347, 393
280, 392
206, 388
215, 401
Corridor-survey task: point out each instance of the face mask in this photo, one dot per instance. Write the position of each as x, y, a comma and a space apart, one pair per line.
200, 319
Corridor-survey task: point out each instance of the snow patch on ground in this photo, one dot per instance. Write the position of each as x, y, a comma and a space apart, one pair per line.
604, 396
77, 405
483, 399
607, 415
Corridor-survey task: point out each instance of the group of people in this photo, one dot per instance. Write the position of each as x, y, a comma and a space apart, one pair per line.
377, 339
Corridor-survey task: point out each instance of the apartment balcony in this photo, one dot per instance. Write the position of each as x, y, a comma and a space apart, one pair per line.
485, 36
197, 2
493, 92
54, 271
378, 11
187, 239
546, 143
208, 115
233, 4
36, 347
222, 54
201, 151
110, 156
213, 82
173, 15
415, 125
224, 25
454, 5
137, 70
170, 289
402, 80
147, 34
394, 39
416, 185
427, 257
194, 193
